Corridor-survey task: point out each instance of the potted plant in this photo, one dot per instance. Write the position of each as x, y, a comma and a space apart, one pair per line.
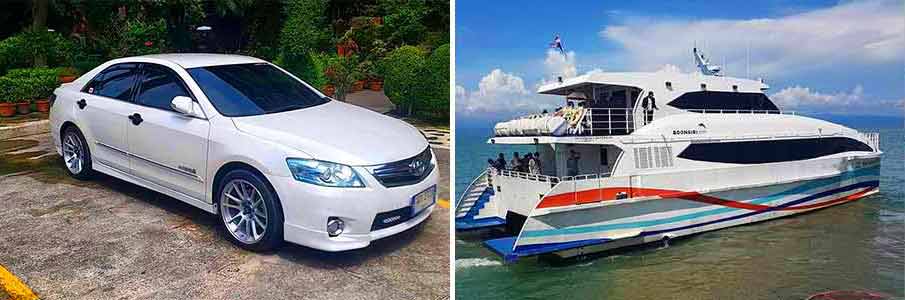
376, 84
358, 86
67, 74
329, 90
343, 72
7, 91
45, 88
25, 90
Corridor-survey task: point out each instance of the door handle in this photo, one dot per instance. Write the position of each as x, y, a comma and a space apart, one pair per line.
81, 103
136, 119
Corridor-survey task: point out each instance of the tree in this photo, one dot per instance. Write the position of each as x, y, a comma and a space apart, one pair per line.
304, 32
404, 20
403, 71
39, 23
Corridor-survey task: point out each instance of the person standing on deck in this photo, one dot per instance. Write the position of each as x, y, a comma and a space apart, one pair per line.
572, 163
501, 162
494, 168
649, 104
532, 163
516, 163
540, 169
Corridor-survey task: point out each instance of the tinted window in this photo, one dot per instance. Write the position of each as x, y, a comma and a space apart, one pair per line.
117, 82
758, 152
253, 89
158, 87
723, 100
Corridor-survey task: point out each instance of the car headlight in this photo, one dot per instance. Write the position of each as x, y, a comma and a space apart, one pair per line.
323, 173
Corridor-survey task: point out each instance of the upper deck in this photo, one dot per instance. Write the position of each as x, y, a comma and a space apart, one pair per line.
614, 104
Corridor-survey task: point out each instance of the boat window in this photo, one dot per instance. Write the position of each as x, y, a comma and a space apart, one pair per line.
758, 152
723, 101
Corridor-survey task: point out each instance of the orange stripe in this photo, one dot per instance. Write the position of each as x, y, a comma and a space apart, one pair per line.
597, 195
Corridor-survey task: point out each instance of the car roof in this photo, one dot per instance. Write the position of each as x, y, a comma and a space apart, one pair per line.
194, 60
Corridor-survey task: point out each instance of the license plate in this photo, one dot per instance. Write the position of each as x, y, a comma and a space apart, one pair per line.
424, 199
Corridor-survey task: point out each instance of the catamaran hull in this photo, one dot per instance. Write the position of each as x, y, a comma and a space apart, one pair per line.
660, 214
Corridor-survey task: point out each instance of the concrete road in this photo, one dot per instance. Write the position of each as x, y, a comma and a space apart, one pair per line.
108, 239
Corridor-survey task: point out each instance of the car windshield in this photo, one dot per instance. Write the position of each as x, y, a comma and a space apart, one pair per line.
253, 89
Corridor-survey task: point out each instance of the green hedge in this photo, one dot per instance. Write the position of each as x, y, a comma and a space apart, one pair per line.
29, 84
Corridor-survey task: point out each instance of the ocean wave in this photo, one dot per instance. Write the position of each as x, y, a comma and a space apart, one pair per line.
476, 262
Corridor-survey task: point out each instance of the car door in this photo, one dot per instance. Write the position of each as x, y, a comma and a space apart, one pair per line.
103, 108
167, 148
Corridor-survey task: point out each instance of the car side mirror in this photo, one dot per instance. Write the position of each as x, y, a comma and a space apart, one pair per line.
186, 106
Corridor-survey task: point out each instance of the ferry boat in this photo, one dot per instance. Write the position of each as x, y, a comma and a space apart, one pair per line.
717, 152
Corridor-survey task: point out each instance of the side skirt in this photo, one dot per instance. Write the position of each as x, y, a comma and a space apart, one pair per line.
103, 168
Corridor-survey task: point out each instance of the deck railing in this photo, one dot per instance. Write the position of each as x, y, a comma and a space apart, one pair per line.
478, 180
550, 179
622, 121
608, 121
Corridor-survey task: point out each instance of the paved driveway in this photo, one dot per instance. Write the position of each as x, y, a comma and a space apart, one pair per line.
108, 239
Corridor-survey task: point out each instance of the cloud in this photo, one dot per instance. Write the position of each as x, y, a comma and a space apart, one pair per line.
505, 94
501, 92
851, 34
557, 64
499, 82
805, 100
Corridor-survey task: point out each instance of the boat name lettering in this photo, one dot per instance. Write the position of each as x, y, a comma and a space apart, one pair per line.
688, 131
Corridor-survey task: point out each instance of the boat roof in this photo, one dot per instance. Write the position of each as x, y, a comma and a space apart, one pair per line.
646, 80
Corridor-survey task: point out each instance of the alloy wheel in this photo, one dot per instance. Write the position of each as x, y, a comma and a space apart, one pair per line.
73, 153
243, 211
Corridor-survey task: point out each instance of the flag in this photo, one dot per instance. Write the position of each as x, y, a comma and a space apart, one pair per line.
557, 43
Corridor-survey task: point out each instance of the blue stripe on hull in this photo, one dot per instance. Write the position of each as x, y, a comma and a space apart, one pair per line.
687, 217
559, 246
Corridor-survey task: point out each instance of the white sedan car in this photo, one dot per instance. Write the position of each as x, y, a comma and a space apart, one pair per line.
242, 138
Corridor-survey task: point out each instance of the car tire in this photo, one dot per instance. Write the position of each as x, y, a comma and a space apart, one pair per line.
76, 154
247, 204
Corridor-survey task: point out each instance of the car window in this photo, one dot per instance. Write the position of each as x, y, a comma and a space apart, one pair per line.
117, 81
159, 85
253, 89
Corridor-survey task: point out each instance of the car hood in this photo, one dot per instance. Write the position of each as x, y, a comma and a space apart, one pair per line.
338, 132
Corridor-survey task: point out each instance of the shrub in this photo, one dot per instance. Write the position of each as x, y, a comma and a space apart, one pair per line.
7, 92
12, 53
436, 100
22, 49
35, 83
402, 72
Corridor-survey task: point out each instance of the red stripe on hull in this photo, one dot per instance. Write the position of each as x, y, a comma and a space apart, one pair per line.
597, 195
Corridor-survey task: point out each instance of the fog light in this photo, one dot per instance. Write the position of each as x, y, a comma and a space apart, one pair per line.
335, 226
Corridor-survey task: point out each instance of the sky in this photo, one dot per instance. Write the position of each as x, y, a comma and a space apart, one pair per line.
826, 57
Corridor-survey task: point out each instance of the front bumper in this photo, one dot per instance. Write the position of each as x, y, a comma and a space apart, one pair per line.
306, 208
